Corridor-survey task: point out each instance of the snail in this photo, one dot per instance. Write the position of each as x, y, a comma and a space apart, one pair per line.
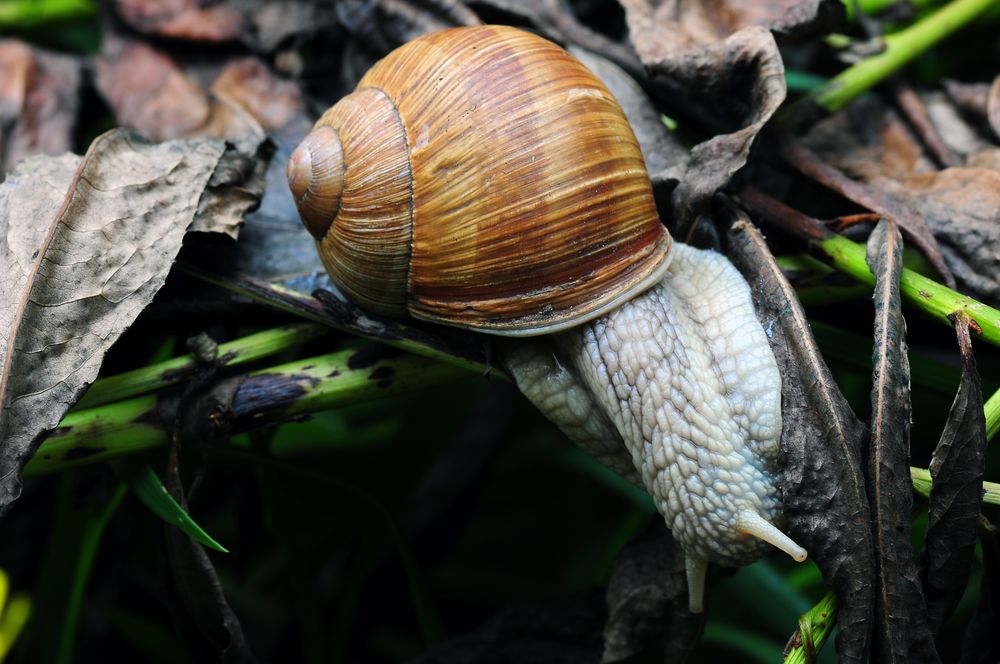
484, 178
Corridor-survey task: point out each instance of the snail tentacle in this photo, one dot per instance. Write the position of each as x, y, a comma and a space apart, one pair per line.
749, 522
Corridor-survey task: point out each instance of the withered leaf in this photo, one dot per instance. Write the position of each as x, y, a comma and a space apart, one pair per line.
86, 245
908, 216
275, 103
901, 629
822, 479
957, 493
148, 91
962, 208
648, 614
385, 24
733, 83
39, 95
184, 19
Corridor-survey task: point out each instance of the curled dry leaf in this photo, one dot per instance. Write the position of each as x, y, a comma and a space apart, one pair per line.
87, 243
39, 95
648, 615
957, 491
901, 630
822, 481
723, 56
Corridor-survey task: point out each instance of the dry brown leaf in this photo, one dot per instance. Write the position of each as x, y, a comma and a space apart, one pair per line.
274, 102
86, 245
39, 95
148, 91
962, 207
184, 19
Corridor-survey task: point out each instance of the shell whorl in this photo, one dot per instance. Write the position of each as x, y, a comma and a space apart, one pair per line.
316, 178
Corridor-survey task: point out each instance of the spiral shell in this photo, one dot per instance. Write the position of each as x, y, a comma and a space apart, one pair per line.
481, 177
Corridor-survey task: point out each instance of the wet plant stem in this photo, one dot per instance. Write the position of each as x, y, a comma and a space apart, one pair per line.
240, 351
900, 48
264, 397
926, 294
815, 626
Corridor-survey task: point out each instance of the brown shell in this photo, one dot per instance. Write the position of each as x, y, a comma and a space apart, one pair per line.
530, 202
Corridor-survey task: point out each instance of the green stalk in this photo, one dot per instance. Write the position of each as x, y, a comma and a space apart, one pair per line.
992, 409
30, 13
937, 300
815, 627
89, 546
176, 370
922, 484
392, 333
265, 397
900, 48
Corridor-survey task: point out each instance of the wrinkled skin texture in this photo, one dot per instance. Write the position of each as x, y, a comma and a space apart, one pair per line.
678, 391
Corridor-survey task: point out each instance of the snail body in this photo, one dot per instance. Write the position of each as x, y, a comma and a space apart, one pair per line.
484, 178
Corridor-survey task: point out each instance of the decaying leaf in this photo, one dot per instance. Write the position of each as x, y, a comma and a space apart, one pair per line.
39, 95
185, 19
735, 80
87, 244
957, 491
648, 614
901, 630
150, 93
385, 24
822, 480
962, 208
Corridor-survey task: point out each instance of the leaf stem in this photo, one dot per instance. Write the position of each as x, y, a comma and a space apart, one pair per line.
928, 295
900, 48
922, 485
265, 397
177, 370
815, 626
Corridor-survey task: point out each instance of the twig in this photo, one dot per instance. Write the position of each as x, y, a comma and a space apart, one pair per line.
454, 347
849, 257
264, 397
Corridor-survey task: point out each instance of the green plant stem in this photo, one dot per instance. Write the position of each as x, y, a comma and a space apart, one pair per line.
928, 295
900, 48
922, 484
89, 546
265, 397
31, 13
390, 332
815, 627
992, 410
240, 351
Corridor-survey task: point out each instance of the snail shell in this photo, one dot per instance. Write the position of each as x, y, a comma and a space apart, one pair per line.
447, 187
482, 177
